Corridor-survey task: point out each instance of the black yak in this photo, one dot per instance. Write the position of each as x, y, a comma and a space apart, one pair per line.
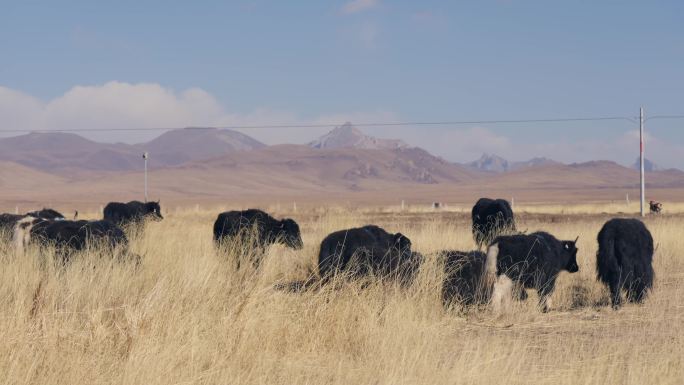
491, 217
46, 213
9, 221
465, 279
624, 259
132, 213
368, 250
531, 261
242, 224
69, 236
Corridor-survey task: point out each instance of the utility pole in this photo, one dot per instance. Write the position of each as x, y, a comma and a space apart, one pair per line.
641, 159
145, 156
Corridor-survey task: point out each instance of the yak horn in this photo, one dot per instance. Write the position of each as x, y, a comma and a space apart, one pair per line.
576, 239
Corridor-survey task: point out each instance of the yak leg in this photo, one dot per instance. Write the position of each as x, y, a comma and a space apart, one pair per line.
637, 291
545, 295
520, 292
501, 297
615, 285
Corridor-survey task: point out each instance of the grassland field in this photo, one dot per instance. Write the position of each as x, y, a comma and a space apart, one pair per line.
185, 315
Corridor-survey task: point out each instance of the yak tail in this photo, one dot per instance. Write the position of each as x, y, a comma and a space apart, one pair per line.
606, 260
298, 286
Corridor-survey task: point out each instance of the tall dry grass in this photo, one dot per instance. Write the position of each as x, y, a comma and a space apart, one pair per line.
185, 315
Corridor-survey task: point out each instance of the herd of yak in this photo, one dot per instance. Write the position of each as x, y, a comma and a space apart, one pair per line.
513, 262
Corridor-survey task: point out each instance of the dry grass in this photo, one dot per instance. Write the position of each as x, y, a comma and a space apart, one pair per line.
186, 316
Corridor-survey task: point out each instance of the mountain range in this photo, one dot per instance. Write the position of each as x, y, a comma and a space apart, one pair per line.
495, 163
213, 164
68, 154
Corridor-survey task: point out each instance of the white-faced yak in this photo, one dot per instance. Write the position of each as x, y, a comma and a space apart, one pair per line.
530, 261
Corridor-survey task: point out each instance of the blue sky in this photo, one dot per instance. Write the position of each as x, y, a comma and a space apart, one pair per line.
151, 63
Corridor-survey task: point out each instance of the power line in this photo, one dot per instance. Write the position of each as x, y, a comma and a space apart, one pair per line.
328, 125
665, 117
372, 124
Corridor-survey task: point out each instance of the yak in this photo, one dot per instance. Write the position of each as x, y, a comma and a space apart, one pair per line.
46, 213
240, 225
9, 221
531, 261
491, 217
624, 259
69, 236
132, 213
368, 250
465, 279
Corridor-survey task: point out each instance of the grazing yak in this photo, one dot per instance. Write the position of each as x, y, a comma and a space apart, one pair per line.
624, 259
491, 217
69, 236
132, 213
530, 261
465, 279
368, 250
46, 213
9, 221
243, 224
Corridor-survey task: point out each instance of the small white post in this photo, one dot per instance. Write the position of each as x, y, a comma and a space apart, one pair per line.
402, 205
145, 156
627, 199
641, 160
16, 209
294, 206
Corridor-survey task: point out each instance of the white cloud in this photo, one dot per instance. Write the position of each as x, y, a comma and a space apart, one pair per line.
119, 105
18, 110
356, 6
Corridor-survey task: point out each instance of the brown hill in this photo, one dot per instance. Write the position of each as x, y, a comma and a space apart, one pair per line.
190, 144
72, 155
14, 176
349, 167
63, 153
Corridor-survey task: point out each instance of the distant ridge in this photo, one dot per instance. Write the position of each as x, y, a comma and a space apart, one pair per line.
534, 162
649, 166
348, 136
497, 164
67, 153
196, 143
491, 163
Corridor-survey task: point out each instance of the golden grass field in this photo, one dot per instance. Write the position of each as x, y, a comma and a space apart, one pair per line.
185, 316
